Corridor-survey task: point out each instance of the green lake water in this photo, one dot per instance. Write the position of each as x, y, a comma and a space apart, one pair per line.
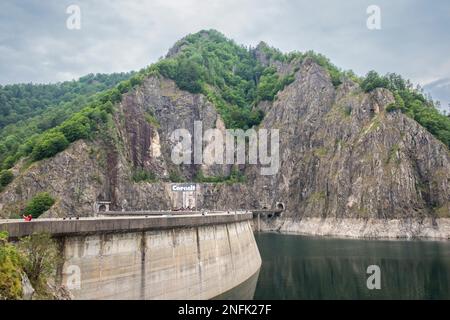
298, 267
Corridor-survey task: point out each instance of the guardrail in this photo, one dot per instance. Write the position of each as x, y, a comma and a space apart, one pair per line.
169, 213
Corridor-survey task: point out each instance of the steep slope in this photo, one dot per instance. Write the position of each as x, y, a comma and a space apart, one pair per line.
103, 168
29, 109
348, 167
344, 157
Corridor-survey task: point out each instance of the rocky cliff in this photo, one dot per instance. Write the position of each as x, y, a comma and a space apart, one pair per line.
347, 166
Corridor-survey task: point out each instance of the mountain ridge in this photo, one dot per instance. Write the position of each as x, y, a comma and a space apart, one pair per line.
344, 155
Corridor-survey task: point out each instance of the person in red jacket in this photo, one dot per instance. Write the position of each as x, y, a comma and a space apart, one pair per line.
27, 218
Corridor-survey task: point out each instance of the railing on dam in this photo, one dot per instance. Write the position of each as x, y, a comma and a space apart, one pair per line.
170, 212
61, 227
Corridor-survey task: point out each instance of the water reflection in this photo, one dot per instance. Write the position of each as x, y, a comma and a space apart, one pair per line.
297, 267
244, 291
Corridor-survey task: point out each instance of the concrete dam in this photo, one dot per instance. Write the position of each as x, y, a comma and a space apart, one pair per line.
189, 256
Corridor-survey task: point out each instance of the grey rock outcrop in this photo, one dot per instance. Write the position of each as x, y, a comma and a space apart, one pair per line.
27, 288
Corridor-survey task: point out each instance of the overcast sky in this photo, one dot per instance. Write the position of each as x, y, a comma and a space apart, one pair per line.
124, 35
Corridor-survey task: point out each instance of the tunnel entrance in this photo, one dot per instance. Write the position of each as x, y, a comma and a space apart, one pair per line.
102, 206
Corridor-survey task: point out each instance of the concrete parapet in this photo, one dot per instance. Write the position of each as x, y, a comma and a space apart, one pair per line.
60, 227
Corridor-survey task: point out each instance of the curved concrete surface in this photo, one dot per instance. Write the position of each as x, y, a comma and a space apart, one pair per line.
179, 257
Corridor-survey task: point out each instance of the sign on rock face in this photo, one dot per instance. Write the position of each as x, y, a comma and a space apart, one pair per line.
184, 195
183, 187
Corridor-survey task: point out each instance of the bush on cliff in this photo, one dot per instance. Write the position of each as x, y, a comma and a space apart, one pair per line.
6, 176
77, 127
235, 176
140, 175
39, 204
372, 81
49, 144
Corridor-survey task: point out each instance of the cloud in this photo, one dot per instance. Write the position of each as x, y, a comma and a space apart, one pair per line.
440, 90
123, 35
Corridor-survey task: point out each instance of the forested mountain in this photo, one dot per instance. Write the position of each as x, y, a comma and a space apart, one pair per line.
351, 147
230, 76
23, 101
29, 109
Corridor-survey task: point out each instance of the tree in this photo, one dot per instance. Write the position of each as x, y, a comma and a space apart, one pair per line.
39, 204
39, 258
189, 76
76, 128
6, 176
10, 277
50, 144
373, 80
268, 85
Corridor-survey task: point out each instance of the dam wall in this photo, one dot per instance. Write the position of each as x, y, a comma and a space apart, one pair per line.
188, 257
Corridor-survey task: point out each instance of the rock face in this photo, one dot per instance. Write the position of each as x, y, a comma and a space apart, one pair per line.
343, 156
102, 170
347, 167
27, 288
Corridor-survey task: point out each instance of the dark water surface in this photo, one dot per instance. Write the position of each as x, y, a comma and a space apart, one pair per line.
298, 267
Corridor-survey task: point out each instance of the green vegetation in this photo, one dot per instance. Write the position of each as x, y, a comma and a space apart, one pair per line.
271, 83
140, 175
39, 204
226, 73
335, 73
373, 80
27, 110
206, 62
231, 76
275, 54
36, 256
6, 176
80, 125
412, 102
39, 258
10, 277
235, 176
19, 102
174, 176
49, 144
151, 119
38, 121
